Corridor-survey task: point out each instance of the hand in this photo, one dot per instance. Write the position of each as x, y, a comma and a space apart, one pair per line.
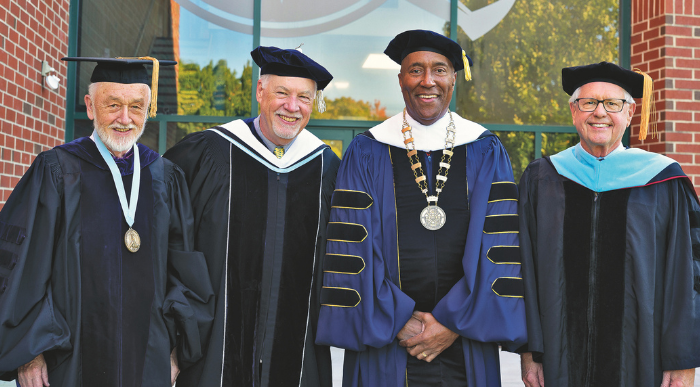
413, 327
531, 371
434, 339
174, 369
34, 373
679, 378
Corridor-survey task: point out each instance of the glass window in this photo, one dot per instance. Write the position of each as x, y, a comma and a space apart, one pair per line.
348, 37
518, 61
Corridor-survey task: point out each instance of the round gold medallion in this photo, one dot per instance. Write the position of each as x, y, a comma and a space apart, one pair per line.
132, 240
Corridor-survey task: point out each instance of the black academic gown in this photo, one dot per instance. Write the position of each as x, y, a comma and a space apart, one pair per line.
69, 288
261, 228
611, 278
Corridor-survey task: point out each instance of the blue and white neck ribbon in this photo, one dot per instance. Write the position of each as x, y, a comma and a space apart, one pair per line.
129, 209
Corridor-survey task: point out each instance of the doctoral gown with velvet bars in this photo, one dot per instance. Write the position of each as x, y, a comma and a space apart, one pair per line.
101, 315
261, 229
382, 264
611, 278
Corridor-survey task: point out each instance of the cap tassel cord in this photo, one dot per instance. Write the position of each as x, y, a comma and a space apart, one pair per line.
467, 71
154, 83
320, 103
648, 108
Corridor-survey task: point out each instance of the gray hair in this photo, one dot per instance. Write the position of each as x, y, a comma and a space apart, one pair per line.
577, 92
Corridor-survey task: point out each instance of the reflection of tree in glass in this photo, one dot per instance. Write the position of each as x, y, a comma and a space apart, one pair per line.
213, 90
517, 65
346, 108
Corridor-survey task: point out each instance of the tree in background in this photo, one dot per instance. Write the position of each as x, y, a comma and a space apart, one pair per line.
346, 108
517, 67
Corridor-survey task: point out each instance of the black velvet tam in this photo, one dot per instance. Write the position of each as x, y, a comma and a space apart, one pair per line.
115, 70
422, 40
574, 77
290, 63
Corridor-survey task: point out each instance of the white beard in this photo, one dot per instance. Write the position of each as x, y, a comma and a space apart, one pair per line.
118, 144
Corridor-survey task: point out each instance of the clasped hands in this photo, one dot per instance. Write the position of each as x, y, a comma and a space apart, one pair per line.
424, 337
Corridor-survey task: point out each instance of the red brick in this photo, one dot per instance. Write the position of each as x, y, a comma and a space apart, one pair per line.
691, 63
688, 148
681, 159
679, 30
687, 127
687, 42
685, 20
677, 137
651, 55
679, 73
677, 94
678, 116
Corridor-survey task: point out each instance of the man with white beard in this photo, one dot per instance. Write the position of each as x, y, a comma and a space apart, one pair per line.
99, 283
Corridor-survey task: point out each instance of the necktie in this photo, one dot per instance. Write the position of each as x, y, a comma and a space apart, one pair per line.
279, 151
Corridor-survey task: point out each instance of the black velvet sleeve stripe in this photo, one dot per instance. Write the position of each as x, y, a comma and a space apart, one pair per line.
696, 252
503, 190
508, 287
697, 284
694, 217
11, 233
346, 232
502, 255
3, 284
355, 200
343, 264
8, 259
340, 297
501, 224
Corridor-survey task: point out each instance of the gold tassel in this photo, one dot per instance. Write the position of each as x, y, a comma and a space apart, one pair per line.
154, 83
649, 118
467, 71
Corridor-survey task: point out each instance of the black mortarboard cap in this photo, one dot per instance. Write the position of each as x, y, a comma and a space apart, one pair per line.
422, 40
290, 63
127, 71
574, 77
637, 83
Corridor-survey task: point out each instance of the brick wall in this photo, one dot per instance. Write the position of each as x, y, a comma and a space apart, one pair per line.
666, 44
32, 117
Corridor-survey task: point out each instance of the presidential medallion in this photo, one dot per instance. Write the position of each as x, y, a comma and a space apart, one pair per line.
433, 218
132, 240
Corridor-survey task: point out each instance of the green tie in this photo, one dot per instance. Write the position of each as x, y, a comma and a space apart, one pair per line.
279, 151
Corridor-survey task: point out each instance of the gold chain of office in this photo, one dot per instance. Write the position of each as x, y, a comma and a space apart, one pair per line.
432, 217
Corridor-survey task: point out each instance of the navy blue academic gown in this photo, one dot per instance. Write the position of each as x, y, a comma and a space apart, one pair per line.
612, 275
378, 270
70, 289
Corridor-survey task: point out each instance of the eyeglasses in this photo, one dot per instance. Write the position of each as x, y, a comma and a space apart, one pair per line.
611, 105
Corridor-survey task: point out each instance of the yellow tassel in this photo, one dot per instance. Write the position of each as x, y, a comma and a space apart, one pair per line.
467, 71
154, 83
649, 118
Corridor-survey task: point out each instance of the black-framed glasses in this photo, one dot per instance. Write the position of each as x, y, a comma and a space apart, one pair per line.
611, 105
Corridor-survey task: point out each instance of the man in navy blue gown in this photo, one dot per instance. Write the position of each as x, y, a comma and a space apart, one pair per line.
421, 274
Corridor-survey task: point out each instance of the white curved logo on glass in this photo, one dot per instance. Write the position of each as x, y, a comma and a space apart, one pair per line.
293, 18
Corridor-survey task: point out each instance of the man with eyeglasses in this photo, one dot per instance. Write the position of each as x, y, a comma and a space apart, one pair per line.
610, 245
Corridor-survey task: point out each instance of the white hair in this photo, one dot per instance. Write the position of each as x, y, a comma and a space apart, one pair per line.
265, 79
577, 92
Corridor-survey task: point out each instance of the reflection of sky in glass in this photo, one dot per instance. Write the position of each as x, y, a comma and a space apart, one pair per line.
202, 42
342, 50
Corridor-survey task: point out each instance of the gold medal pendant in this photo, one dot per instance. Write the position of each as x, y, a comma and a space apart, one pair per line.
132, 240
